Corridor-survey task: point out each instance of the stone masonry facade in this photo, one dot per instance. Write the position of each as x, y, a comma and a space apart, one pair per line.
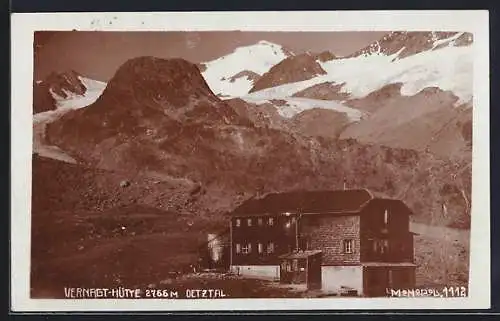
328, 234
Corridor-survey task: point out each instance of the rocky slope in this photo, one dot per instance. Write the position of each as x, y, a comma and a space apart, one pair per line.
319, 122
292, 69
325, 56
111, 225
437, 126
158, 117
409, 87
66, 90
56, 86
249, 75
324, 91
263, 115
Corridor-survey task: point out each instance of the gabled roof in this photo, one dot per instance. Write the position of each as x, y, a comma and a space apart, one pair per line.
342, 201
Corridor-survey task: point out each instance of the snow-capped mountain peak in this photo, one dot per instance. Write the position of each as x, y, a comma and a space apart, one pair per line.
254, 59
416, 60
65, 90
94, 89
409, 43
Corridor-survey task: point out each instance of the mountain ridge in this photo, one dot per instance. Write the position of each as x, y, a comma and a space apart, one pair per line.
407, 43
218, 144
257, 59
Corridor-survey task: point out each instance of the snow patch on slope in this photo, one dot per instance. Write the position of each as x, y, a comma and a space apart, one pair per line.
74, 101
448, 68
64, 105
450, 40
296, 105
258, 58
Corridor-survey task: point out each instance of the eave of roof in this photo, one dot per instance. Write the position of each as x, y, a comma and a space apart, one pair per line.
316, 201
292, 214
357, 211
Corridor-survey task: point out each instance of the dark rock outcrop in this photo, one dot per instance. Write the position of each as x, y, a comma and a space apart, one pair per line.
324, 91
60, 84
250, 75
292, 69
325, 56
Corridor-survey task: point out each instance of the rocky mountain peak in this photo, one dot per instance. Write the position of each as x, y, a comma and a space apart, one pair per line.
407, 43
56, 86
325, 56
165, 82
65, 83
147, 100
292, 69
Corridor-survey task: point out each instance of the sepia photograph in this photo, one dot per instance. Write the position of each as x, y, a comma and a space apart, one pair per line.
240, 164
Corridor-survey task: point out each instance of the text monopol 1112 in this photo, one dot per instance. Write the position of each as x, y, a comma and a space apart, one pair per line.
444, 292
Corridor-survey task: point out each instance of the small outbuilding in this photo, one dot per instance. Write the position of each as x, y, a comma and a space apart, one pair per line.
302, 267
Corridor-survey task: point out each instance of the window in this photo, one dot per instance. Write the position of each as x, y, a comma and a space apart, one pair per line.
246, 248
249, 222
386, 217
381, 246
385, 246
260, 247
271, 221
259, 221
238, 222
270, 247
295, 265
238, 248
348, 246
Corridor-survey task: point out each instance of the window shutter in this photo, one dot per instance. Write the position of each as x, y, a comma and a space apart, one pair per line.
249, 247
238, 248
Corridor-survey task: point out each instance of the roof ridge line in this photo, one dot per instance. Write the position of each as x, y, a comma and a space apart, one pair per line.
372, 197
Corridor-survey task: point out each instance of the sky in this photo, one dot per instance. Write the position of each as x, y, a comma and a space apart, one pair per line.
98, 54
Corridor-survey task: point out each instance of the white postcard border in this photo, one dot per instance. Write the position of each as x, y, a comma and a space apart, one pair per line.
23, 26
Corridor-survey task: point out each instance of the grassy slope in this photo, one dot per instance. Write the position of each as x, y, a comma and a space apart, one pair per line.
442, 255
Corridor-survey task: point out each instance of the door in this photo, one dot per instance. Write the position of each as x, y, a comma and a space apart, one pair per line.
313, 269
375, 281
